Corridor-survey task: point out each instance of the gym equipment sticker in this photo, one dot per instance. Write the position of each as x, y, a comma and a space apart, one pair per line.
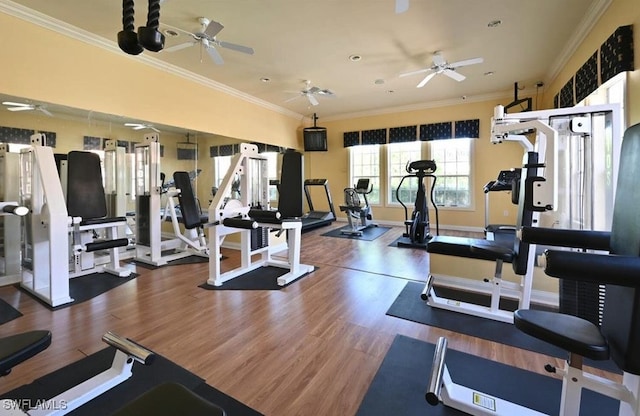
482, 400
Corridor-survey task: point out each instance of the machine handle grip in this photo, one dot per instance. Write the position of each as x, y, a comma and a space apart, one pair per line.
138, 352
437, 369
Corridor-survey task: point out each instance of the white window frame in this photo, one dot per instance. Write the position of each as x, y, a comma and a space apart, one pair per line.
410, 152
444, 166
356, 173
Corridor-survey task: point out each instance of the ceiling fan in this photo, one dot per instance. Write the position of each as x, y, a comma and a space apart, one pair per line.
311, 92
206, 38
441, 66
11, 106
140, 126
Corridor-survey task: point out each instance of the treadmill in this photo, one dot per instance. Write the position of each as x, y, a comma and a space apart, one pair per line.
314, 219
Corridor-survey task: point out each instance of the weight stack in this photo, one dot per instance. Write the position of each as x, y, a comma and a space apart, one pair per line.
582, 299
259, 238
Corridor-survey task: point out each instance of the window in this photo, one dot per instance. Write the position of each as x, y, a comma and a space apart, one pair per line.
398, 155
453, 161
221, 165
365, 163
272, 166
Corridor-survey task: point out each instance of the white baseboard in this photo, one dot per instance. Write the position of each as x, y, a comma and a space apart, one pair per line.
537, 296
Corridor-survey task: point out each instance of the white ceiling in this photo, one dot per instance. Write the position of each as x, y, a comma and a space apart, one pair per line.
297, 40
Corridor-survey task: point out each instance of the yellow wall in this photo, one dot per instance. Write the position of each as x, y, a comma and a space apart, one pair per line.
42, 65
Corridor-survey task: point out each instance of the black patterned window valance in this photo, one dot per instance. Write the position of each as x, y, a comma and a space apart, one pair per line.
467, 129
351, 138
403, 134
92, 143
377, 136
566, 95
23, 136
587, 78
616, 53
436, 131
614, 56
226, 150
214, 151
274, 149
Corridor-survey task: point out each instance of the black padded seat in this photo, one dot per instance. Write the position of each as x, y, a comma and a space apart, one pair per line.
15, 349
98, 221
568, 332
463, 247
170, 399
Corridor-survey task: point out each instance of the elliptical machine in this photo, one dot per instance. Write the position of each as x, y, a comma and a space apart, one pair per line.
417, 227
359, 215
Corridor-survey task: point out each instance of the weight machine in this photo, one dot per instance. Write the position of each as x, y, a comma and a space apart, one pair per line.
151, 247
59, 237
358, 215
251, 215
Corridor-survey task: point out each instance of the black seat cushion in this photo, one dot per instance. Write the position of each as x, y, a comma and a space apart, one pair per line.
462, 247
15, 349
170, 399
568, 332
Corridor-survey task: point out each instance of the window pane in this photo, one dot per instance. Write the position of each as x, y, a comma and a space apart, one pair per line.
365, 164
398, 156
454, 169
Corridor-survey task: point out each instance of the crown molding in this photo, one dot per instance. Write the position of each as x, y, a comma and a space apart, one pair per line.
32, 16
592, 16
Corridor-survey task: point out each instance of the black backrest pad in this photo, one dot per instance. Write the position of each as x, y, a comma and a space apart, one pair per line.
290, 200
85, 193
621, 312
186, 198
525, 216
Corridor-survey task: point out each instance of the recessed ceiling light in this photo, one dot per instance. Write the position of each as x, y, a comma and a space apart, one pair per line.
494, 23
488, 73
379, 81
171, 33
265, 79
355, 58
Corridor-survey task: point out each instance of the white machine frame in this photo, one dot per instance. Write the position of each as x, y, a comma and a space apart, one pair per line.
48, 228
441, 388
148, 184
127, 353
222, 208
10, 261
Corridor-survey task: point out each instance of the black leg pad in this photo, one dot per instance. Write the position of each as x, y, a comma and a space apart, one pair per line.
15, 349
170, 399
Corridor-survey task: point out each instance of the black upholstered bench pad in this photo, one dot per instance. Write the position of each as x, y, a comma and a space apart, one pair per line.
565, 331
15, 349
461, 247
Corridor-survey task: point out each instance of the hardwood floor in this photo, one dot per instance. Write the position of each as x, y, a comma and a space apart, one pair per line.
311, 348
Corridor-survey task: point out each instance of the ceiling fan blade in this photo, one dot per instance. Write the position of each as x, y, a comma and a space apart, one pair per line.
213, 28
16, 104
180, 46
325, 93
20, 108
466, 62
453, 74
419, 71
426, 79
312, 99
438, 60
45, 111
214, 54
238, 48
153, 128
291, 99
402, 6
